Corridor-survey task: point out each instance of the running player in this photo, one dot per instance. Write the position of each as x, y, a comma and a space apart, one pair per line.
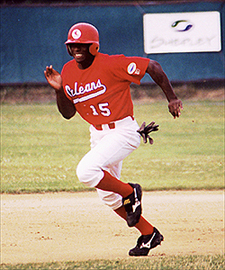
97, 86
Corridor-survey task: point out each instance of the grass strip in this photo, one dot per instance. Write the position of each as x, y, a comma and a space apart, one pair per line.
197, 262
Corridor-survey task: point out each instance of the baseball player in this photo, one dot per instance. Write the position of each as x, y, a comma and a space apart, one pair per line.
97, 86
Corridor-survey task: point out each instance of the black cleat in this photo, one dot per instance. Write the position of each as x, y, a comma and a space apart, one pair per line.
132, 204
146, 242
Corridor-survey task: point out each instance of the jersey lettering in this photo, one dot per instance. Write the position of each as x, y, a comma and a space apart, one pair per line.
89, 87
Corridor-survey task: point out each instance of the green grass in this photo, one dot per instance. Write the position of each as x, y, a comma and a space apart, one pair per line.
159, 263
40, 150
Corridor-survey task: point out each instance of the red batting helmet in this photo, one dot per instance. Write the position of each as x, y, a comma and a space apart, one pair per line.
84, 33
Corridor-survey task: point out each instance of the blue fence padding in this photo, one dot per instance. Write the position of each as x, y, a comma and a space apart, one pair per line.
33, 37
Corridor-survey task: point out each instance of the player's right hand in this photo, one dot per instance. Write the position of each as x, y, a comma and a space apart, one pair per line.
175, 106
53, 77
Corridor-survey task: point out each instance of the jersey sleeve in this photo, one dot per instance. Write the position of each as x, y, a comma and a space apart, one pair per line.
131, 69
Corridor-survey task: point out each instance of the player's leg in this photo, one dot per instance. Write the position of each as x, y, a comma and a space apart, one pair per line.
91, 171
150, 237
111, 148
111, 199
111, 183
143, 225
114, 201
131, 196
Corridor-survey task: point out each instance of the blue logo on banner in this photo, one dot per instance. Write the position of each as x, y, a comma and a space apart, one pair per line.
182, 25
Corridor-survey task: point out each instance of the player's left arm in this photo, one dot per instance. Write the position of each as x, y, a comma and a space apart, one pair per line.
155, 70
65, 106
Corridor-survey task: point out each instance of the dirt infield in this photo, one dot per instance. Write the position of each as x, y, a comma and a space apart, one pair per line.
77, 226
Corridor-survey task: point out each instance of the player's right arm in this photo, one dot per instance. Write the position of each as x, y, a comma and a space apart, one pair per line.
65, 106
155, 70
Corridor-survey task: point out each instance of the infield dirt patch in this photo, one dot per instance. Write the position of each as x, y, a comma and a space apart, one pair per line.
77, 226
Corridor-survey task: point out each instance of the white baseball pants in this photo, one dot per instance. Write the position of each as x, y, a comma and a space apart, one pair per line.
108, 149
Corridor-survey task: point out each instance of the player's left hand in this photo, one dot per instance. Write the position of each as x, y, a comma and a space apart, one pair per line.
175, 106
145, 130
54, 78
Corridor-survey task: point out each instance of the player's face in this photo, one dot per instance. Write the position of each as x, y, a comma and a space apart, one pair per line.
81, 54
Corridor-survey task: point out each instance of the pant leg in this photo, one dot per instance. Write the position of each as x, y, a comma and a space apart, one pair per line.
112, 147
111, 199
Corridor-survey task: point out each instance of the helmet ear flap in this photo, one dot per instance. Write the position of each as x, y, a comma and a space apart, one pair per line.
94, 48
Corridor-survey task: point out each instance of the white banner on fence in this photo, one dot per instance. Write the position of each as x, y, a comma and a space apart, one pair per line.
182, 32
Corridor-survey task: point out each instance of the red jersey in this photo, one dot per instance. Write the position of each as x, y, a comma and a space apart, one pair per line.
101, 93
